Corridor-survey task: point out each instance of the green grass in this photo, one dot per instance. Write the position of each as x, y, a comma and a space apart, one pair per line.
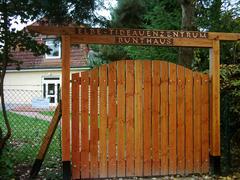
27, 135
47, 113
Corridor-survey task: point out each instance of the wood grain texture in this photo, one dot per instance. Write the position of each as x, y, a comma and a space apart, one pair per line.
180, 121
66, 98
197, 122
112, 119
215, 98
94, 169
156, 118
205, 123
172, 119
84, 126
53, 30
121, 118
147, 117
189, 120
103, 122
138, 119
130, 118
75, 127
164, 118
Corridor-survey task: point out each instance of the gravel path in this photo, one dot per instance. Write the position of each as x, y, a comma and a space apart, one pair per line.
34, 115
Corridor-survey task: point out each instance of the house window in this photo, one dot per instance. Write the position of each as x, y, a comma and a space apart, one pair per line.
55, 47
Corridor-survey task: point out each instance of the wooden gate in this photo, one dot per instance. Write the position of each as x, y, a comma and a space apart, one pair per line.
139, 118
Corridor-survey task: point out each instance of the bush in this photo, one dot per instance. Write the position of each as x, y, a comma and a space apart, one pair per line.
6, 164
230, 114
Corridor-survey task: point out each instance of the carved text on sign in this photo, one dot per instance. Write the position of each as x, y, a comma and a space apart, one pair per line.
143, 41
142, 33
142, 36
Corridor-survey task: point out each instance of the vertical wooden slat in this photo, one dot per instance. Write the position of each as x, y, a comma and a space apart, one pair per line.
66, 99
180, 121
103, 121
75, 127
205, 123
138, 120
130, 118
183, 141
112, 119
147, 117
155, 117
172, 119
164, 118
215, 98
121, 117
189, 120
84, 126
94, 123
197, 122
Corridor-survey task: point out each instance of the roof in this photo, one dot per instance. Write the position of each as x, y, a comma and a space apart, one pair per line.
29, 61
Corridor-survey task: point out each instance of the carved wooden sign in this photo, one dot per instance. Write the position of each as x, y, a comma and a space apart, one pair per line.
142, 36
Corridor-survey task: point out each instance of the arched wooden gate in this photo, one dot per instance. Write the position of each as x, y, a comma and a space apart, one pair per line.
188, 106
139, 118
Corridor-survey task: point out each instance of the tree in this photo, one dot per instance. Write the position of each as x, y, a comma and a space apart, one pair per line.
73, 11
10, 39
219, 16
56, 11
186, 54
129, 13
163, 15
153, 14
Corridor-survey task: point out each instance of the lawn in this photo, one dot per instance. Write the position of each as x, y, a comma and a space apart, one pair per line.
47, 113
27, 134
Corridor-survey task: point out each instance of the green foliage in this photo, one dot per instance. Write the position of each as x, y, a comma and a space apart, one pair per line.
165, 15
143, 14
161, 15
24, 145
230, 115
230, 84
73, 11
129, 13
113, 53
219, 16
6, 164
56, 12
47, 113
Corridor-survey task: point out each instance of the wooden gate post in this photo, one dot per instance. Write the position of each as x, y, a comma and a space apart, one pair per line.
66, 107
215, 105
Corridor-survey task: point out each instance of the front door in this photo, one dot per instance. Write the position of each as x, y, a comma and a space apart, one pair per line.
51, 89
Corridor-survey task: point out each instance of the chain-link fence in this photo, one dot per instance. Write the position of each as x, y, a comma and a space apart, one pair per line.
29, 124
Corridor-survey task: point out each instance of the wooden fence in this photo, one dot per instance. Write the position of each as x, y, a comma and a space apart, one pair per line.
139, 118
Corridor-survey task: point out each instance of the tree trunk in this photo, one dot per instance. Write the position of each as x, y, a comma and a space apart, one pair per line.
4, 139
6, 50
185, 55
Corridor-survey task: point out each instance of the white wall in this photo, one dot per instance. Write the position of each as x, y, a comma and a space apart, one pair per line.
20, 87
27, 80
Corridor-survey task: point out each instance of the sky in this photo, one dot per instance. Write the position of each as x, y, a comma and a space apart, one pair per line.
105, 12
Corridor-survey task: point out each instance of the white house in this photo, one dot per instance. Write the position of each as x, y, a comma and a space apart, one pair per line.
40, 76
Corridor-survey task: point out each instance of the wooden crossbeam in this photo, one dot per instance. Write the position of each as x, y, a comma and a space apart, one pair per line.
78, 37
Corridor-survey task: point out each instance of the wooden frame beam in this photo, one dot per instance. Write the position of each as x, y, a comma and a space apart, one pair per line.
74, 34
224, 36
66, 158
177, 42
215, 99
